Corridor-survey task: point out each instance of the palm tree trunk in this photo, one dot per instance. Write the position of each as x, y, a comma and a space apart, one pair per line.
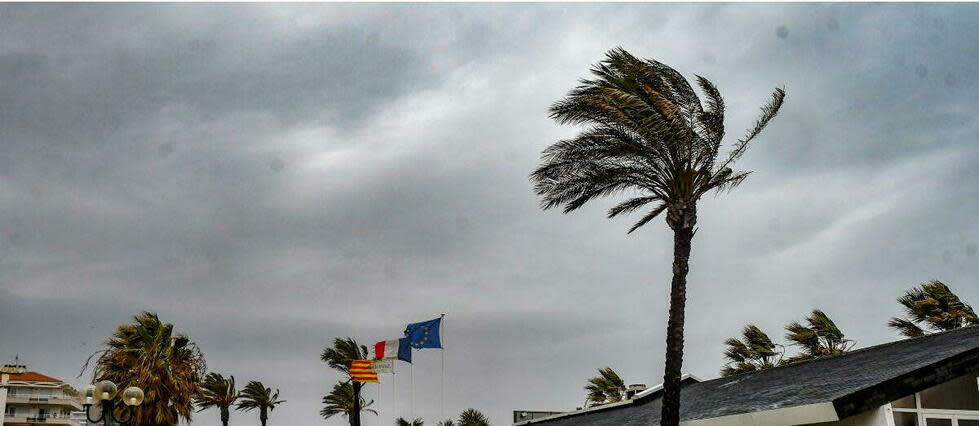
355, 416
263, 416
682, 237
225, 416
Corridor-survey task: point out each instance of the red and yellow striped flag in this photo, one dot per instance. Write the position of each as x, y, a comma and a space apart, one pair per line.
363, 371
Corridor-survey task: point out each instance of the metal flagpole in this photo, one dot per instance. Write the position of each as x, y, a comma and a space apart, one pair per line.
394, 399
442, 344
412, 374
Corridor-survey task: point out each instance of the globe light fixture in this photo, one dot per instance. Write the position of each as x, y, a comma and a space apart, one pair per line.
132, 396
106, 390
89, 394
105, 393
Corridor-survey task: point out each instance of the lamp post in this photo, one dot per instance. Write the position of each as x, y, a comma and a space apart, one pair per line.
104, 392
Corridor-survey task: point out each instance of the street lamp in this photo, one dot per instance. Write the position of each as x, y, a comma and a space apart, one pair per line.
104, 392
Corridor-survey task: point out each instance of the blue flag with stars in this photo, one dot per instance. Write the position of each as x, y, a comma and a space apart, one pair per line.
424, 334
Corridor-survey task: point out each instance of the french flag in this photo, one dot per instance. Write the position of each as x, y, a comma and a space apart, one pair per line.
393, 349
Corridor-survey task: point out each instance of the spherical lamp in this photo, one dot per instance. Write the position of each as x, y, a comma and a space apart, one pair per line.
89, 393
105, 390
132, 396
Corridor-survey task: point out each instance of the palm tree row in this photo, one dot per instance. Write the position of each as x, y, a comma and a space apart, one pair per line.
469, 417
929, 307
170, 369
818, 337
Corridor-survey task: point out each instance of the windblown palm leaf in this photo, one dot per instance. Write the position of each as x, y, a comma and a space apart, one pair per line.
257, 396
338, 357
932, 307
606, 387
166, 365
219, 392
754, 351
341, 401
819, 338
646, 134
473, 417
401, 421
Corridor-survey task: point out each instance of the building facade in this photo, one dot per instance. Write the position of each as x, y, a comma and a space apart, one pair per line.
29, 398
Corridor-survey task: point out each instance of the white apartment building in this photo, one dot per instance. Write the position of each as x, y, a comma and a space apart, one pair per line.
29, 398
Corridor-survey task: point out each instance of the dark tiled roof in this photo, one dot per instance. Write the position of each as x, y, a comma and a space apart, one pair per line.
853, 382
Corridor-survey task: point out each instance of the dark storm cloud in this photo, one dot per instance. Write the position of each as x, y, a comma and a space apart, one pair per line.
268, 177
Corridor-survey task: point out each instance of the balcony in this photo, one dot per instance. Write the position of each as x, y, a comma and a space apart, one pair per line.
32, 400
32, 420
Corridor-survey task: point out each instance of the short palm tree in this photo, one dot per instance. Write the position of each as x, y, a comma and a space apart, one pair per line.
473, 417
341, 401
166, 365
604, 388
754, 351
401, 421
818, 338
932, 307
219, 392
338, 357
648, 134
256, 396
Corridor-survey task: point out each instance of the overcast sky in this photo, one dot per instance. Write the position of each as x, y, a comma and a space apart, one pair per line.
269, 177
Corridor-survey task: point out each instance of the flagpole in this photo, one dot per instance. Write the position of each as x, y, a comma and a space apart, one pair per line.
394, 398
412, 373
442, 344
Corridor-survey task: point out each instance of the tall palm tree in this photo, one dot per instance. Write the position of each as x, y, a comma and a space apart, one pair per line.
218, 392
166, 365
754, 351
604, 388
473, 417
932, 307
341, 401
647, 133
256, 395
401, 421
819, 337
338, 357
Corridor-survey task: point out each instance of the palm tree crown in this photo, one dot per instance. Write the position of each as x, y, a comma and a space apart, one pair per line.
647, 133
754, 351
256, 395
401, 421
166, 365
932, 307
218, 392
473, 417
341, 401
820, 338
606, 387
338, 357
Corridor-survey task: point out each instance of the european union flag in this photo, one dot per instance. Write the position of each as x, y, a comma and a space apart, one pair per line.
424, 334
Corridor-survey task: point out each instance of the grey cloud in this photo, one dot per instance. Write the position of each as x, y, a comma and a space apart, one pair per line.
271, 176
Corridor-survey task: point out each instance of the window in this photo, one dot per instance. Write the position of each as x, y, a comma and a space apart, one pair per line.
958, 394
953, 403
9, 411
905, 419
